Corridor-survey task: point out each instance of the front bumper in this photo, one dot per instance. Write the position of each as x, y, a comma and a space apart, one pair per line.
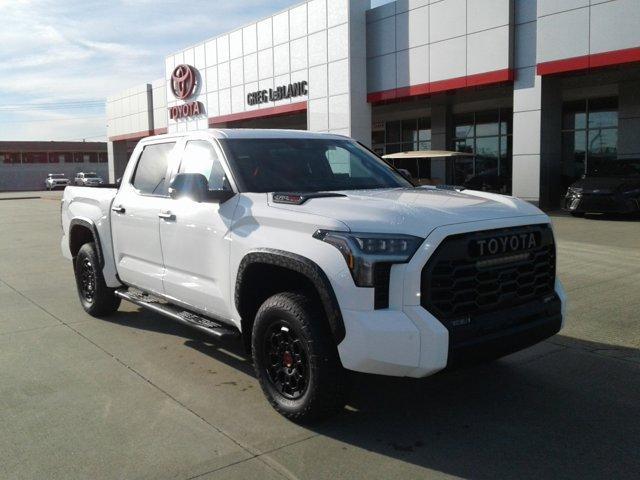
600, 203
414, 343
407, 340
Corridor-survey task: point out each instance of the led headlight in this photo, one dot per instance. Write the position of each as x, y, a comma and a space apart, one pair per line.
362, 251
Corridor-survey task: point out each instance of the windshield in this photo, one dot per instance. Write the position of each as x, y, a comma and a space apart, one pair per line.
308, 165
56, 175
615, 168
90, 175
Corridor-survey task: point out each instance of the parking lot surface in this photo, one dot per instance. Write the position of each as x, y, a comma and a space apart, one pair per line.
137, 396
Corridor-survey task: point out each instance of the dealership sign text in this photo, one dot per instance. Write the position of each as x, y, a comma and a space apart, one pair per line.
295, 89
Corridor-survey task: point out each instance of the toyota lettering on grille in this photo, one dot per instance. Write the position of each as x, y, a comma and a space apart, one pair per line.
505, 244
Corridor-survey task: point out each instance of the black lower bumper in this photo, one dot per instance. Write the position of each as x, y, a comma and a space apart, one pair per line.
496, 334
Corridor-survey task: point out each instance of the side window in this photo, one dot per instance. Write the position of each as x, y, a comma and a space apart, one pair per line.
200, 157
150, 175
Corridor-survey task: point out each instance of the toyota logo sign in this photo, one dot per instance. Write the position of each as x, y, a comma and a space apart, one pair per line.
183, 81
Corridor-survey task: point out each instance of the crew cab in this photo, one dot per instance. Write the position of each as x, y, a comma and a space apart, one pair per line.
318, 254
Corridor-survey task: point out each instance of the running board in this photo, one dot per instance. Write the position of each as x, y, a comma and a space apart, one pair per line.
204, 324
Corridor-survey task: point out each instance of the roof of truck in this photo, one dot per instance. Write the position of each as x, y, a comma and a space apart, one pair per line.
251, 133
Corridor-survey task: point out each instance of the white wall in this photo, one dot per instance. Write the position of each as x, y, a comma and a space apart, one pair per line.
414, 42
130, 111
320, 41
574, 28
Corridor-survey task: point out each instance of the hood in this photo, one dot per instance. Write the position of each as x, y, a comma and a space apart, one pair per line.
606, 184
412, 211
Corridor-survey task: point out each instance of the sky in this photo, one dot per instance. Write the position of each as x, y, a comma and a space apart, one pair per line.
60, 59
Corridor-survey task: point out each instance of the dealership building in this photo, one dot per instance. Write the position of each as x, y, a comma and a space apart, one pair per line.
536, 90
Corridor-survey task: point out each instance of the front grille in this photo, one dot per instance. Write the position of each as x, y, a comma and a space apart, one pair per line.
457, 284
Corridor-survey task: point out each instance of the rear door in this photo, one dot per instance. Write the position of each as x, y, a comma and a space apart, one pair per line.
194, 236
135, 220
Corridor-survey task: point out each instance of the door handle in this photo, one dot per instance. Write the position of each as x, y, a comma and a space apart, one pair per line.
118, 209
167, 215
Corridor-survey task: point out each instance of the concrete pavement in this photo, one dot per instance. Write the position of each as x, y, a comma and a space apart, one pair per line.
137, 396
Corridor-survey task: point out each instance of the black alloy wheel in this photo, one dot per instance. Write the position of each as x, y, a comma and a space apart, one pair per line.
87, 280
286, 360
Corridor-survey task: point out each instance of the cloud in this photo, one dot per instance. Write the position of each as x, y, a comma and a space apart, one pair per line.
55, 51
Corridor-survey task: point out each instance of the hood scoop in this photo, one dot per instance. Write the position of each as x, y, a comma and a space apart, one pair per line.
298, 198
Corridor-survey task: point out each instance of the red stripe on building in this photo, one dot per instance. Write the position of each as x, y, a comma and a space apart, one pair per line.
278, 111
138, 135
131, 136
586, 62
424, 89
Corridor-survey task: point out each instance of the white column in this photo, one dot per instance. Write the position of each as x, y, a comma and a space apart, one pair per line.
527, 106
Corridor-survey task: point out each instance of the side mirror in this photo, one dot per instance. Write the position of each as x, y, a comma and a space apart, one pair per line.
196, 187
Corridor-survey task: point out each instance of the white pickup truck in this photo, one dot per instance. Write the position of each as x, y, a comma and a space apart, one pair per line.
321, 256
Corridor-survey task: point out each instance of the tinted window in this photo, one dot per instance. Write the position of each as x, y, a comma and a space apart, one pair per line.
150, 175
309, 165
200, 157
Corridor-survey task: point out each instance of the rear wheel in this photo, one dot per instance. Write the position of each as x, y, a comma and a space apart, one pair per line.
96, 298
296, 359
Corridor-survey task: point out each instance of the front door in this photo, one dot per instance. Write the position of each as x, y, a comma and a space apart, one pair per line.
194, 237
135, 221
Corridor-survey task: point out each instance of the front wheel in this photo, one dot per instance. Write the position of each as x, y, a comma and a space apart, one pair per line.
96, 298
296, 359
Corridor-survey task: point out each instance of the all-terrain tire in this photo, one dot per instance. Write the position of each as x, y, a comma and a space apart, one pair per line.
96, 298
293, 319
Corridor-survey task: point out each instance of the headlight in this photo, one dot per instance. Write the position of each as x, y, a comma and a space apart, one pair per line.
362, 251
632, 193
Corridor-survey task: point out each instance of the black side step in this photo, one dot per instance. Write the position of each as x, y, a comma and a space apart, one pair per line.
199, 322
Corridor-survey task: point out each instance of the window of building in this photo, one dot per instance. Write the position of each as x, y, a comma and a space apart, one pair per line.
103, 157
9, 157
151, 170
589, 136
35, 157
406, 136
486, 135
200, 157
54, 157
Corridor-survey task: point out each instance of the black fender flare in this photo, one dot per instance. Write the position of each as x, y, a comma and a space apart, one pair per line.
94, 231
304, 266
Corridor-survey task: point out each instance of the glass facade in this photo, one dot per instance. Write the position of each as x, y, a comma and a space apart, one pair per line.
406, 136
486, 135
589, 136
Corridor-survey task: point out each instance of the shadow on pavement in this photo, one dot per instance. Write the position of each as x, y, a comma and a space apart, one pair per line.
567, 409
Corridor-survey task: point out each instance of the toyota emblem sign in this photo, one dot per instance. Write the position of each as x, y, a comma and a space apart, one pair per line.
184, 81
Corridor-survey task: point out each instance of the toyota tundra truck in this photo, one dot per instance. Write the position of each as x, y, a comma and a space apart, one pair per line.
320, 256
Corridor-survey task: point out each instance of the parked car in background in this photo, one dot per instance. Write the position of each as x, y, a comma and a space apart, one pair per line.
87, 179
608, 187
56, 180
